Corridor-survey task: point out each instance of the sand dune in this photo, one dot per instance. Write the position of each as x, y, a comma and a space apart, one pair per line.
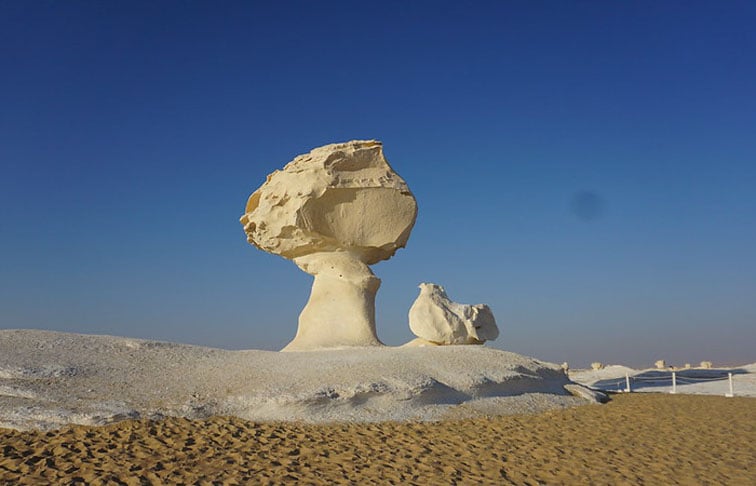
635, 439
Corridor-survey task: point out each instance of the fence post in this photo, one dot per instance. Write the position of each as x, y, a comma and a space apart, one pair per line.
731, 394
674, 382
627, 383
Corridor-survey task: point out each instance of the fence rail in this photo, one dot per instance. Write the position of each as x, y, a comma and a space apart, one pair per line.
661, 380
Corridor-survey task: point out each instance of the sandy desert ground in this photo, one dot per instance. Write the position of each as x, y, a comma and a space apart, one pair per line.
638, 438
193, 415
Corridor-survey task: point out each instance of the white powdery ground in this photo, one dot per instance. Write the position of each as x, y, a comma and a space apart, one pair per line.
693, 381
48, 379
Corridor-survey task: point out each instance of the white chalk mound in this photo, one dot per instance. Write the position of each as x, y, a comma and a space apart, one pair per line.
435, 319
334, 211
49, 379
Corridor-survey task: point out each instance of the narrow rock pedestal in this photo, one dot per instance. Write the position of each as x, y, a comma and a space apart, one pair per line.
341, 308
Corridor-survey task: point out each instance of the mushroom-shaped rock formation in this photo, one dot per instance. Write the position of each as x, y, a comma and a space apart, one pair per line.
436, 320
334, 211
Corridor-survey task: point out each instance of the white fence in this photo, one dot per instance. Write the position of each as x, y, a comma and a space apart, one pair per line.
661, 379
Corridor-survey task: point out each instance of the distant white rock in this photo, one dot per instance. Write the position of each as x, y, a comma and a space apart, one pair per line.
706, 365
436, 320
660, 364
597, 365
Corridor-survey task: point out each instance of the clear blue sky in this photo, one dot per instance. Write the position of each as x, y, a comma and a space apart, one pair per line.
588, 169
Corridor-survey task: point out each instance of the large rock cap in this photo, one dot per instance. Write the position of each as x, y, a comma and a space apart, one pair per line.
339, 197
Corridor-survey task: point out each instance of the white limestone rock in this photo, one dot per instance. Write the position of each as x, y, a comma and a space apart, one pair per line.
334, 211
341, 308
339, 197
436, 320
587, 393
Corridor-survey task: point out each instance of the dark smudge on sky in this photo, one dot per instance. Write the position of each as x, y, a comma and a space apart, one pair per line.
587, 205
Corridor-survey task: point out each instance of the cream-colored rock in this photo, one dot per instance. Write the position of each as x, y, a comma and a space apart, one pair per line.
334, 211
597, 365
341, 308
434, 318
706, 364
661, 364
340, 197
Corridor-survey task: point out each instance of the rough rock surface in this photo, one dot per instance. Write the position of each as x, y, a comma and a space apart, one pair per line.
48, 379
435, 319
339, 197
334, 211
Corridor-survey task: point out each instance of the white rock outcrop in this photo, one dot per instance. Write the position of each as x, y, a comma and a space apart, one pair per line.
660, 364
597, 365
436, 320
54, 379
334, 211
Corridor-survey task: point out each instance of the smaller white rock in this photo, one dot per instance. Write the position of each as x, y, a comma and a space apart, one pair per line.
586, 393
435, 319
